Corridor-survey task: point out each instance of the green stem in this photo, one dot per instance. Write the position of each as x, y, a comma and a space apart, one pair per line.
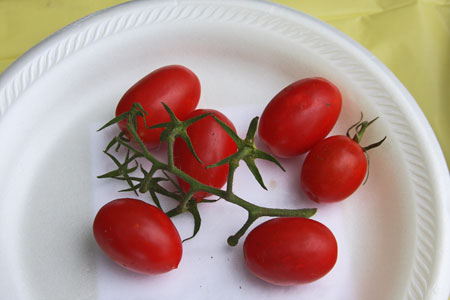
234, 239
257, 212
183, 205
246, 151
145, 183
232, 168
170, 142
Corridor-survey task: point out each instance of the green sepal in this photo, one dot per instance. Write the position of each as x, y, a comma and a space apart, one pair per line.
117, 119
133, 188
169, 111
143, 170
155, 199
266, 156
118, 139
116, 173
177, 186
176, 128
191, 121
360, 128
374, 145
252, 129
157, 188
184, 135
248, 143
233, 135
122, 169
254, 169
193, 209
225, 160
160, 125
111, 144
135, 110
354, 126
188, 141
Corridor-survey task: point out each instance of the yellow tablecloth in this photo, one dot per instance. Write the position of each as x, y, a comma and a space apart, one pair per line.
411, 37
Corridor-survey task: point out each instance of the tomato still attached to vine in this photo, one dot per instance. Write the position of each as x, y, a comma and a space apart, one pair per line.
211, 144
175, 85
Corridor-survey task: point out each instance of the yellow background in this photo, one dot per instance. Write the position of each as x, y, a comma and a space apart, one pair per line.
411, 37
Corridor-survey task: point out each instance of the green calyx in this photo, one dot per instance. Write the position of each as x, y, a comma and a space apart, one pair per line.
360, 128
158, 181
247, 151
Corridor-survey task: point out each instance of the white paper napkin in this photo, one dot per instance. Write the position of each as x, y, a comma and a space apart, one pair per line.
210, 269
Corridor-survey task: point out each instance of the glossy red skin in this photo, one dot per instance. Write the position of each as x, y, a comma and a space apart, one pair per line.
212, 144
290, 250
138, 236
333, 169
300, 116
175, 85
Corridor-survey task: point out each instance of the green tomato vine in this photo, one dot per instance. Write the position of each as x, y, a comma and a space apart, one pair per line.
148, 182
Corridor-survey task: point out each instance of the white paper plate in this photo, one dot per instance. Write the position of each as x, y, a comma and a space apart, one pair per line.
393, 233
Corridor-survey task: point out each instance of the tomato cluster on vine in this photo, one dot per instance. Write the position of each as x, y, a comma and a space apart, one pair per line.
203, 153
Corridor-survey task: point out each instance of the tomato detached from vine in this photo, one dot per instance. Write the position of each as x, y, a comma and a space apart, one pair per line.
138, 236
336, 166
299, 116
290, 250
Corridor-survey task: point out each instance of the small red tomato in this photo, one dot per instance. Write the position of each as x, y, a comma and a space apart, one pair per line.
290, 250
300, 116
138, 236
175, 85
333, 169
212, 144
